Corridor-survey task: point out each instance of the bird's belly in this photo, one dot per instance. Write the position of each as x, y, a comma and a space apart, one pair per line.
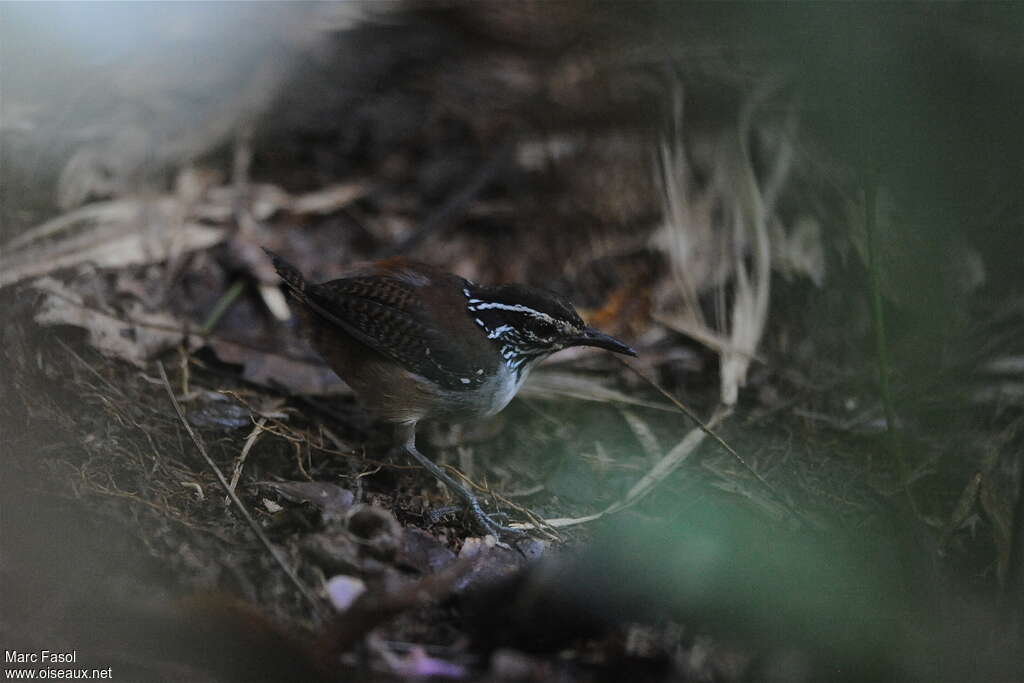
394, 394
483, 401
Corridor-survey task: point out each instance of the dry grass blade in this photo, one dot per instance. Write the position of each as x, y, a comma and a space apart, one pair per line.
545, 384
664, 467
668, 464
292, 576
672, 460
688, 217
563, 522
108, 234
643, 432
707, 429
706, 252
751, 213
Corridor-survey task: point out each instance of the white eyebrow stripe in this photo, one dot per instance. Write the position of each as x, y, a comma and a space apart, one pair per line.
519, 308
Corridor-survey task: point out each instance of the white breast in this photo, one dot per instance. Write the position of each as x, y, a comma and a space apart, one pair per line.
483, 401
501, 389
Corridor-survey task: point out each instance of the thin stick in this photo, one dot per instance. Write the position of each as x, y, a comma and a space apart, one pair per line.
710, 432
250, 441
91, 369
306, 593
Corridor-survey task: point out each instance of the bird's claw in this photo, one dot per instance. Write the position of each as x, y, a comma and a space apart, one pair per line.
488, 522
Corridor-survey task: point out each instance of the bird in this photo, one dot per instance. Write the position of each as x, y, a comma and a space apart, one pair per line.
415, 342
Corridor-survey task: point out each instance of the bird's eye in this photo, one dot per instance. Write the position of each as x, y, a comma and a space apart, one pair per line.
543, 328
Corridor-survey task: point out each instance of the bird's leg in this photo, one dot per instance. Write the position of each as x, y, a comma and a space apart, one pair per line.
407, 432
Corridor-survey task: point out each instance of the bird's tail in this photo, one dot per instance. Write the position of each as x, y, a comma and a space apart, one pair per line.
289, 273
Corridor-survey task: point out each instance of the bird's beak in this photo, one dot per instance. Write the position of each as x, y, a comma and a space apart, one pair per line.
592, 337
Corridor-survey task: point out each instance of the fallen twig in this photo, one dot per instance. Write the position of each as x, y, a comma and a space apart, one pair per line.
250, 441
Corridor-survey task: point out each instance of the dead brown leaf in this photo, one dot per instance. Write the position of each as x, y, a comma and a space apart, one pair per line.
136, 337
268, 368
332, 500
114, 234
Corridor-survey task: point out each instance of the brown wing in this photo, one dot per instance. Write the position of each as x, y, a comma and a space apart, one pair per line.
386, 313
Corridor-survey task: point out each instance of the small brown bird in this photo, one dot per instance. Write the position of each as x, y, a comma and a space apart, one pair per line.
415, 342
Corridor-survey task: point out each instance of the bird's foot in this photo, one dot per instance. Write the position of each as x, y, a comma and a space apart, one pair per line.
488, 522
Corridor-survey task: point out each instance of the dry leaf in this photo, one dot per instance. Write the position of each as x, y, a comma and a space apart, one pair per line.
107, 234
332, 500
275, 369
136, 337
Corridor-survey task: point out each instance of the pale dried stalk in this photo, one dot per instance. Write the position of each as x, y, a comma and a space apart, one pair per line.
743, 252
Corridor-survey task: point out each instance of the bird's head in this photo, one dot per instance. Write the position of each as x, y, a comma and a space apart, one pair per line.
529, 323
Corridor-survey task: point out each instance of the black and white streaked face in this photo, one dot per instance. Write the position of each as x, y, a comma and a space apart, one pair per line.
527, 324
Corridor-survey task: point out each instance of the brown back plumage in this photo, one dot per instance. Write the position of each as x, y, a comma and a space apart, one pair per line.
388, 314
